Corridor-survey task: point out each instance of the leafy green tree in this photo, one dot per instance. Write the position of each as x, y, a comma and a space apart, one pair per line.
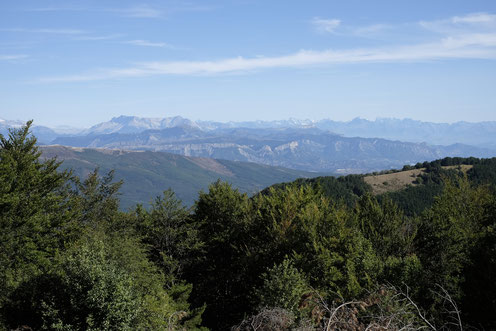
69, 259
219, 277
447, 235
385, 226
170, 234
479, 289
319, 236
283, 287
391, 235
96, 201
100, 283
35, 214
173, 245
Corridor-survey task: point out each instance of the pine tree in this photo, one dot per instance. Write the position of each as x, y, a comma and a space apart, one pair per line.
34, 209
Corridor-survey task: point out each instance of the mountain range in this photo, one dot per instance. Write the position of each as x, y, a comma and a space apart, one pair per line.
356, 146
481, 134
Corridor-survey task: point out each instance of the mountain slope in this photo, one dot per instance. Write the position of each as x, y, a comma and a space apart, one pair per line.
146, 174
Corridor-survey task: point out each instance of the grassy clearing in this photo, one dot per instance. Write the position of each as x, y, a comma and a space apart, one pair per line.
399, 180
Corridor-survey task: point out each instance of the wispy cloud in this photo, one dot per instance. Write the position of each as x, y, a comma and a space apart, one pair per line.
147, 43
336, 27
143, 11
49, 31
475, 18
487, 40
467, 43
482, 46
475, 22
369, 30
54, 9
326, 25
139, 11
12, 57
96, 38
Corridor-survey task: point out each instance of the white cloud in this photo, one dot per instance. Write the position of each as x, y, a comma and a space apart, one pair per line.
326, 25
96, 38
139, 12
147, 43
370, 30
475, 18
475, 22
465, 42
479, 39
50, 31
482, 46
12, 57
55, 9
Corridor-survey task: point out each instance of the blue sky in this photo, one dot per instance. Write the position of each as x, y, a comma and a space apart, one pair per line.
82, 62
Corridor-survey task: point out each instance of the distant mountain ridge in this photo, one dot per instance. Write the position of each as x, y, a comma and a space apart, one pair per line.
134, 124
356, 146
481, 134
309, 149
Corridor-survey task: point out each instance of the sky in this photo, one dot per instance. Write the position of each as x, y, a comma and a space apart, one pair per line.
78, 63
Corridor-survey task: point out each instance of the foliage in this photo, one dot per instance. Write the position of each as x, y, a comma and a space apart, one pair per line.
220, 216
69, 258
283, 287
347, 189
166, 228
312, 254
35, 214
448, 233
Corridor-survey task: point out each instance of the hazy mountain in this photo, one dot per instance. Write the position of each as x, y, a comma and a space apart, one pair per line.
281, 124
482, 134
146, 174
309, 149
134, 124
345, 147
43, 134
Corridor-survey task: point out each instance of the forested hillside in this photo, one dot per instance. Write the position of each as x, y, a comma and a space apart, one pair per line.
146, 174
318, 254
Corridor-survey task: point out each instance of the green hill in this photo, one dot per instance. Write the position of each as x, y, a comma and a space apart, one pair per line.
147, 174
412, 188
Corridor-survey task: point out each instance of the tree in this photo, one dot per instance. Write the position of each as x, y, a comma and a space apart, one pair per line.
448, 234
173, 245
35, 213
169, 233
96, 200
69, 259
99, 283
391, 235
220, 275
283, 287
